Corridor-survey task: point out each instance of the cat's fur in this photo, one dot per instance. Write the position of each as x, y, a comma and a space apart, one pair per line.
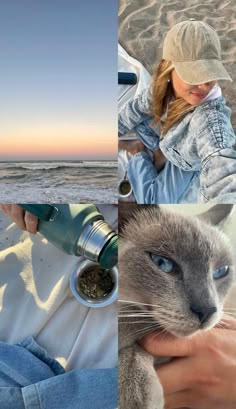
198, 248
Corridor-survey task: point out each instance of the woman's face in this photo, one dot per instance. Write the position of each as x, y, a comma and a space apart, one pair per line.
193, 94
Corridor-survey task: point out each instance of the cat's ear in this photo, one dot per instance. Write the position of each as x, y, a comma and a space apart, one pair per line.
127, 210
218, 214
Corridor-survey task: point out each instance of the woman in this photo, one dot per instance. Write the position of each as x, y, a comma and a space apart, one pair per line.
185, 122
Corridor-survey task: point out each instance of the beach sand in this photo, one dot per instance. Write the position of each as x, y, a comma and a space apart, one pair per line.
144, 23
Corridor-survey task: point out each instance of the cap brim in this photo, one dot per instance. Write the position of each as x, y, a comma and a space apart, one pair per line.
201, 71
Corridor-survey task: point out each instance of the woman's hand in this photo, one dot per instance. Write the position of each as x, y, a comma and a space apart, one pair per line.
132, 147
24, 220
159, 160
203, 373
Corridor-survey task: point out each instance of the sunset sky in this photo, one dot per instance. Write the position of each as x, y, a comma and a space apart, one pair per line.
58, 66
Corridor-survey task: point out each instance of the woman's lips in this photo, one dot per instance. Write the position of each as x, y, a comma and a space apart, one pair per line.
199, 95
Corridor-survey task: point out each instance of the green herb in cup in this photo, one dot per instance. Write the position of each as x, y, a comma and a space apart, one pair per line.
125, 187
96, 282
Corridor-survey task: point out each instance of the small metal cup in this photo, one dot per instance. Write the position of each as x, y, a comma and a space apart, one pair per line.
85, 266
125, 188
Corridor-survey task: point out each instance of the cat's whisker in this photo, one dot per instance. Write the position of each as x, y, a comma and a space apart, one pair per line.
137, 313
169, 325
139, 303
141, 311
162, 315
136, 316
145, 330
160, 328
175, 317
135, 322
153, 312
161, 333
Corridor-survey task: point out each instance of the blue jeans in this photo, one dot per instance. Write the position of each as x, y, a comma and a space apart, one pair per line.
31, 379
171, 185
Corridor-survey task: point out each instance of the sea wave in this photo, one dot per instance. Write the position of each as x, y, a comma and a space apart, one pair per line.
57, 165
11, 177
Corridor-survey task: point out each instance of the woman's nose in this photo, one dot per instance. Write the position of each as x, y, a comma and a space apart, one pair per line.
205, 86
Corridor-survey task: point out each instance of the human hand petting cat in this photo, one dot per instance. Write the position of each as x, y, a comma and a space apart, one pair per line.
23, 219
203, 373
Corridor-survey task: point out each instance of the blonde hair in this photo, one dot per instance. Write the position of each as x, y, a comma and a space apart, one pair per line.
162, 94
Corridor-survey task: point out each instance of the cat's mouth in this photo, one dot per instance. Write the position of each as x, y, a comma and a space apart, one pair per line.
194, 328
184, 325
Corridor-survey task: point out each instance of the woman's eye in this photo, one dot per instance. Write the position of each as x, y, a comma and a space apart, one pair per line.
165, 265
221, 272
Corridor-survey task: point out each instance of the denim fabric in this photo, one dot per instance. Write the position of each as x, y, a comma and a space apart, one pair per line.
202, 141
31, 379
171, 185
78, 389
148, 134
134, 112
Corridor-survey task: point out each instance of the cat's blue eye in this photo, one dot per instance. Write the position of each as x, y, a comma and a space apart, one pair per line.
221, 272
165, 265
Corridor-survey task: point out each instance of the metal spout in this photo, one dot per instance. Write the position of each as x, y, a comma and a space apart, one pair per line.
93, 240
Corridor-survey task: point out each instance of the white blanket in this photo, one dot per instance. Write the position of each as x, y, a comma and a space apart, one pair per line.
35, 299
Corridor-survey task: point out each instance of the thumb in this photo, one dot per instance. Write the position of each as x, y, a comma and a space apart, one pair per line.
167, 345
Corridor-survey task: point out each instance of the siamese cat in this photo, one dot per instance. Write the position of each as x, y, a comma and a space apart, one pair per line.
175, 271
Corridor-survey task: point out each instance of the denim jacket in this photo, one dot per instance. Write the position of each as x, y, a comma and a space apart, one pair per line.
203, 141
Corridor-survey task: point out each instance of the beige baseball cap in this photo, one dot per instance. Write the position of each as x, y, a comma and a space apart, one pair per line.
194, 48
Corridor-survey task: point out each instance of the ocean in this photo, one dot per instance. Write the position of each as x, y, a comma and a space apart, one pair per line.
58, 182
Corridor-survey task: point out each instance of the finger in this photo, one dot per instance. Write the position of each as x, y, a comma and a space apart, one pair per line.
175, 376
6, 208
227, 322
183, 399
189, 398
167, 345
17, 215
122, 145
31, 222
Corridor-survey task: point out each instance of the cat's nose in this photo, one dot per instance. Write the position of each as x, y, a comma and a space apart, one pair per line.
203, 313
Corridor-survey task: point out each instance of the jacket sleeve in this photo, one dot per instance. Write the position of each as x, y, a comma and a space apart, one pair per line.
218, 177
134, 112
153, 187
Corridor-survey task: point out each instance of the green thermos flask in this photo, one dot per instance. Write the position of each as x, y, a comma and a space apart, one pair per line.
77, 229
